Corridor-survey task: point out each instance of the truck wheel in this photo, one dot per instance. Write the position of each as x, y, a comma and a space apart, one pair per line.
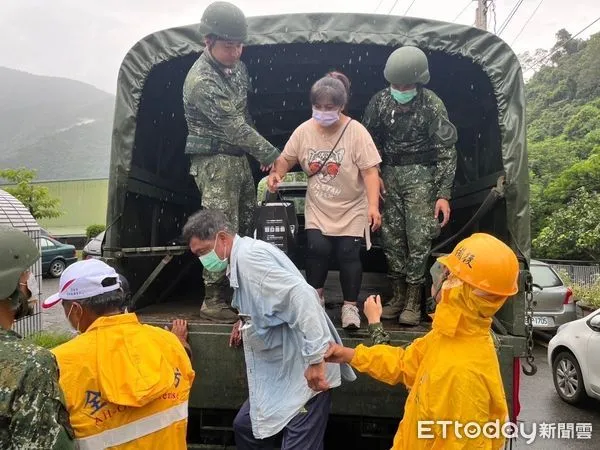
568, 379
57, 267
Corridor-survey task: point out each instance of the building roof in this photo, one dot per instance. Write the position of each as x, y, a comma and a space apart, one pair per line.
14, 213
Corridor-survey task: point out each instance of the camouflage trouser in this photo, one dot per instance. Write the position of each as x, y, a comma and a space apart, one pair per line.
408, 223
226, 183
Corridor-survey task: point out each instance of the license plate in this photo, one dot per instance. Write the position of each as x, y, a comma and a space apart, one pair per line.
541, 321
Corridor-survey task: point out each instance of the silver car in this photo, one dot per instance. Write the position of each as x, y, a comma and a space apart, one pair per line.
555, 304
93, 249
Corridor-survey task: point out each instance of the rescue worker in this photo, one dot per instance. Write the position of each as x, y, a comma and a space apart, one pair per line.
410, 127
285, 334
32, 410
453, 371
221, 136
126, 384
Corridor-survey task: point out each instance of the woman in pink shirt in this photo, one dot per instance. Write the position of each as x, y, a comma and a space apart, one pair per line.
342, 198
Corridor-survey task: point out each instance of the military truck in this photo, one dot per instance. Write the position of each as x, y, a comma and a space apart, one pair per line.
151, 193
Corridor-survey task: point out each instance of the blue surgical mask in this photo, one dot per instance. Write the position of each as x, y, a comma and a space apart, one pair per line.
403, 97
326, 118
212, 262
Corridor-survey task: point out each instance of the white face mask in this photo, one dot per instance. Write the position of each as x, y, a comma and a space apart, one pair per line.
74, 330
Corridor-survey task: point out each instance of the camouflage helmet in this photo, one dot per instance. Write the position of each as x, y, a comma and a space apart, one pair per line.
17, 253
407, 65
225, 21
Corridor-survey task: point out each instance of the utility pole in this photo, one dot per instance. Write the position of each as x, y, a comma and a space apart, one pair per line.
481, 14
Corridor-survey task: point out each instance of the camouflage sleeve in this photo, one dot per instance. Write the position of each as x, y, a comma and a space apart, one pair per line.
444, 136
372, 122
378, 334
247, 114
224, 115
40, 418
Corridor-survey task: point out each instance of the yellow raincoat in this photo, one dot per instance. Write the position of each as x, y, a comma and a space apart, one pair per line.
452, 372
126, 385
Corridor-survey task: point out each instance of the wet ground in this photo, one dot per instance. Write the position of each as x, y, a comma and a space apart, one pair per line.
540, 403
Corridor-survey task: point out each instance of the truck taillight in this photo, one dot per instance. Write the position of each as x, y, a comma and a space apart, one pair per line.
568, 296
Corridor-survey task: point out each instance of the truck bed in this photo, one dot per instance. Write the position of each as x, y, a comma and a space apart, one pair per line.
221, 372
188, 308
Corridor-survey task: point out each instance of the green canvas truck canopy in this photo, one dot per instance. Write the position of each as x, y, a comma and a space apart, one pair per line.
476, 74
151, 193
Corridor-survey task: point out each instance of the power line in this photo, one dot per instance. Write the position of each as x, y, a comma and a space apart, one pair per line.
510, 16
393, 6
493, 8
545, 58
409, 6
378, 5
527, 22
462, 10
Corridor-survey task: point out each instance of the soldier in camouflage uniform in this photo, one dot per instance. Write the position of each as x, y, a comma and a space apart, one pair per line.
410, 127
32, 409
221, 136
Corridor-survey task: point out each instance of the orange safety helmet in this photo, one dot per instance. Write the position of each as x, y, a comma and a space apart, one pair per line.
486, 263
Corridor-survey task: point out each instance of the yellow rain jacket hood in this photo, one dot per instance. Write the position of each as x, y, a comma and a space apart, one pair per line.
452, 373
126, 385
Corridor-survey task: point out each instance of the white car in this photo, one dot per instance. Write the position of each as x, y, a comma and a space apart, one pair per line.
93, 249
573, 357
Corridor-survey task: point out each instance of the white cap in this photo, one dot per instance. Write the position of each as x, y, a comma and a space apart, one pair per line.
83, 280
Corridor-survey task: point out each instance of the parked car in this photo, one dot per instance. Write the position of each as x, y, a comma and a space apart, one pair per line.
555, 304
93, 249
56, 256
573, 356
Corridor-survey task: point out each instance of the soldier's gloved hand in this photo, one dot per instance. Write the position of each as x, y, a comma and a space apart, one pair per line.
442, 206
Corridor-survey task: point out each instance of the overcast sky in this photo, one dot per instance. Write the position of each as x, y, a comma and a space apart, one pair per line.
87, 39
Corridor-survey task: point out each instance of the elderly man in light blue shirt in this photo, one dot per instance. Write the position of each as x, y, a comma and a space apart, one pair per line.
285, 333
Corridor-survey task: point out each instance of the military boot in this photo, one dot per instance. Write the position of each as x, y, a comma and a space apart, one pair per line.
412, 312
215, 307
395, 306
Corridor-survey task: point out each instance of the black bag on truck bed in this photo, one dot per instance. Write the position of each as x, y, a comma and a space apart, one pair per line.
277, 224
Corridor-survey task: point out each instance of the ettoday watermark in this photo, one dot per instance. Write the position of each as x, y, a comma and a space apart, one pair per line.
430, 429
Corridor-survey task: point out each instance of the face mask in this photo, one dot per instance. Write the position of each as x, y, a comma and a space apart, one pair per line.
24, 308
75, 329
403, 97
212, 262
326, 118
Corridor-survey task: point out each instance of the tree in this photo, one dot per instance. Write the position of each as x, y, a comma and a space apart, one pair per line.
565, 45
584, 122
563, 133
37, 199
572, 232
